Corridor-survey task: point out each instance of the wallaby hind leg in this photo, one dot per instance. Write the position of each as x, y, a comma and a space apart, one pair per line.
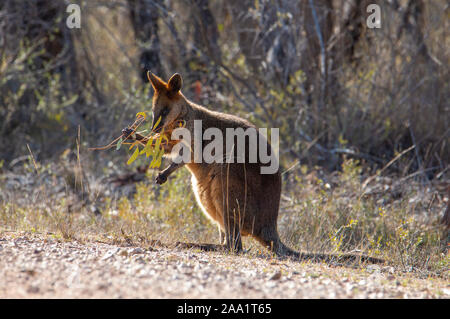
229, 203
231, 225
232, 231
233, 240
268, 237
222, 239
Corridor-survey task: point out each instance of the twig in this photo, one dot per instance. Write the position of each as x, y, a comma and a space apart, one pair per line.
422, 171
371, 178
416, 150
133, 128
32, 157
290, 168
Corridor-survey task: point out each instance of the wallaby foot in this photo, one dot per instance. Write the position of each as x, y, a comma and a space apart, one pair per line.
233, 243
222, 239
233, 240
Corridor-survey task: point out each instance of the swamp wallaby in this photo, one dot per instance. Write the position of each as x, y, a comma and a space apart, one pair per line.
236, 196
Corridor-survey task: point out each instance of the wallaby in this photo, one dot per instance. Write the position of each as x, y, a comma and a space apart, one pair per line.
236, 196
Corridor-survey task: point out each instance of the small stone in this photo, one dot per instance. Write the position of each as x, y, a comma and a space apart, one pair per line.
102, 286
29, 272
33, 289
276, 276
137, 250
110, 253
373, 268
388, 269
271, 284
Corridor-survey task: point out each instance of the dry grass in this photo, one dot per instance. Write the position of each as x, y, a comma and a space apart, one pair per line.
324, 213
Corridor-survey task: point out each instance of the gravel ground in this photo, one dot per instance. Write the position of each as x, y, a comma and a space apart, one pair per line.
34, 266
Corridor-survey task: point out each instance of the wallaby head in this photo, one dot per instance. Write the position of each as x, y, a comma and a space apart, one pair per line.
168, 101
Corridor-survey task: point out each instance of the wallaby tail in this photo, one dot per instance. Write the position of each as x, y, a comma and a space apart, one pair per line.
269, 237
283, 250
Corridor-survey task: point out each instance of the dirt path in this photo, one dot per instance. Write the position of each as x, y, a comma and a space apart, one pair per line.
33, 266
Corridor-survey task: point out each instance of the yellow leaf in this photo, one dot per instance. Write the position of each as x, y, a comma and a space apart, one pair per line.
134, 156
156, 161
158, 142
133, 145
164, 137
142, 114
156, 124
148, 150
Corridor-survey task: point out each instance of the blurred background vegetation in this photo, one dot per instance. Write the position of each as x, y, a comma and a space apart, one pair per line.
333, 88
342, 94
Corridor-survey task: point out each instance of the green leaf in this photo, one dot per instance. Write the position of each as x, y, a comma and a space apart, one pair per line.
119, 144
70, 101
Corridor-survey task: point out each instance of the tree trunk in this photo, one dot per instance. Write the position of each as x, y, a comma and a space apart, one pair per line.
144, 19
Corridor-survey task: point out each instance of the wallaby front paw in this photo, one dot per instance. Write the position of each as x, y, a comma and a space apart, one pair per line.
161, 179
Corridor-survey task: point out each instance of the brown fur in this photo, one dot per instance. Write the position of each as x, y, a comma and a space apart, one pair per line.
236, 196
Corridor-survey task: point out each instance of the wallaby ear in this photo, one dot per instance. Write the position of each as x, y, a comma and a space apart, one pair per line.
175, 83
156, 82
